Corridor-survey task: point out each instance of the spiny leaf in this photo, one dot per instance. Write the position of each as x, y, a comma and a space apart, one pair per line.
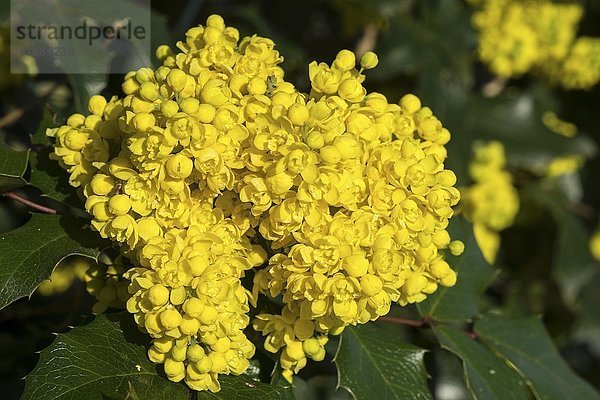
29, 254
13, 165
103, 359
527, 345
488, 377
375, 364
245, 388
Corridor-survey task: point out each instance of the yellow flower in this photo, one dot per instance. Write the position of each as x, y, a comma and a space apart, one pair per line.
213, 152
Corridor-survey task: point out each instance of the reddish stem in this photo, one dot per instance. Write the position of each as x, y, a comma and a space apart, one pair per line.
417, 323
27, 202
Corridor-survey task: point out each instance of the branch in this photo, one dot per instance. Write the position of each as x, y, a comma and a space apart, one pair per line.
27, 202
417, 323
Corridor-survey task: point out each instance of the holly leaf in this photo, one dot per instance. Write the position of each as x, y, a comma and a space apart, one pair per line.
460, 302
105, 359
487, 376
375, 364
243, 387
526, 344
13, 165
29, 254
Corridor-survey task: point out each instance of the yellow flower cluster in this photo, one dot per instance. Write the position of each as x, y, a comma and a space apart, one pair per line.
213, 159
68, 271
580, 69
516, 36
492, 202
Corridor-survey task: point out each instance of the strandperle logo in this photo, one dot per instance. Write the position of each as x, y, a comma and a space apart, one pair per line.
84, 32
81, 36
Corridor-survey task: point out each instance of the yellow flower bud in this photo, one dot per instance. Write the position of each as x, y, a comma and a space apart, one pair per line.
119, 204
189, 105
193, 307
196, 265
352, 90
204, 365
315, 140
221, 345
439, 269
369, 60
179, 166
178, 353
298, 114
294, 350
130, 86
356, 265
163, 51
174, 369
410, 103
102, 184
143, 121
158, 295
311, 346
215, 21
177, 80
75, 139
92, 122
170, 318
330, 155
415, 284
206, 113
144, 75
449, 280
97, 104
178, 296
345, 60
156, 356
371, 285
195, 353
148, 228
100, 212
456, 247
257, 86
169, 108
75, 120
189, 325
163, 345
208, 315
347, 146
149, 91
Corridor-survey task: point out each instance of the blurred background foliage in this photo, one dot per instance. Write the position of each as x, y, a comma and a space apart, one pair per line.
428, 47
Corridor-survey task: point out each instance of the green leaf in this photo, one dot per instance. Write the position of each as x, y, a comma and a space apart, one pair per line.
246, 388
29, 254
46, 174
39, 136
460, 302
13, 165
52, 180
375, 364
487, 376
526, 344
105, 359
